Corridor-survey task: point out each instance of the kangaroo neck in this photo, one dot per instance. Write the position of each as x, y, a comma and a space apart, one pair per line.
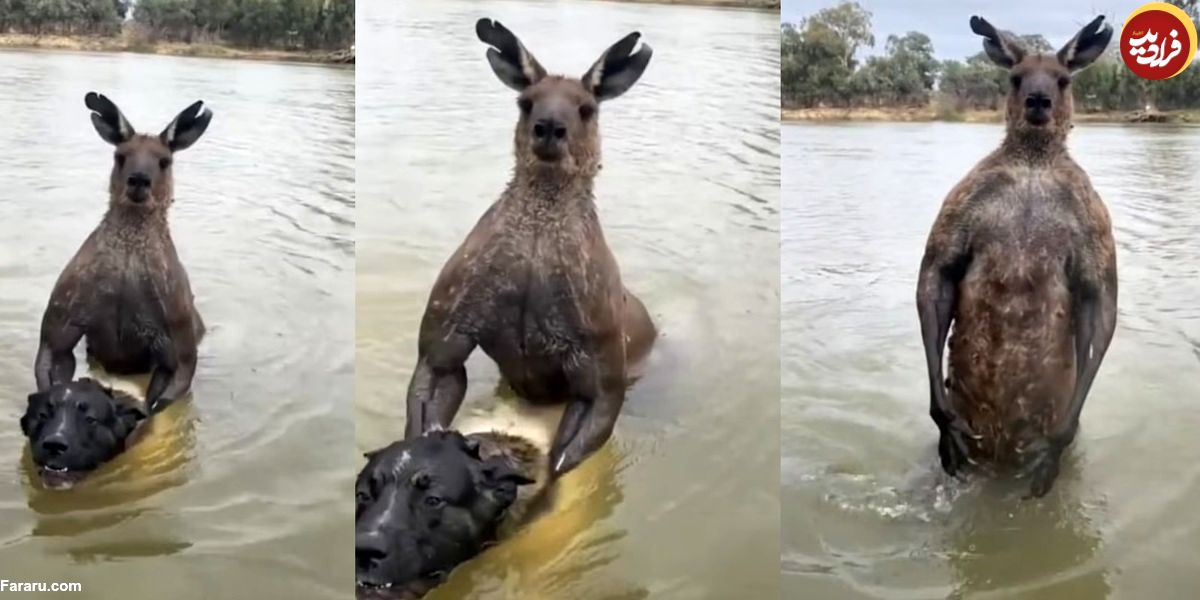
135, 226
1033, 147
547, 190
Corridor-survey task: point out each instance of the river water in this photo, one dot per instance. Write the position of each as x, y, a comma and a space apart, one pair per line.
866, 510
237, 493
683, 503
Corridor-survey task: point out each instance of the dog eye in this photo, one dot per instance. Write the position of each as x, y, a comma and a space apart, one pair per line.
163, 163
90, 420
434, 501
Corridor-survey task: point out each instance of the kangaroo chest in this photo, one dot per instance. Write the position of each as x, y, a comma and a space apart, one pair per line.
532, 300
123, 289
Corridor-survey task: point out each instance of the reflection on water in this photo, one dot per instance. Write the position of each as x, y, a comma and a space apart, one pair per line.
234, 493
683, 502
867, 511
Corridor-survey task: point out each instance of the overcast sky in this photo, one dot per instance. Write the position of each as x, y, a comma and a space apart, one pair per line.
945, 21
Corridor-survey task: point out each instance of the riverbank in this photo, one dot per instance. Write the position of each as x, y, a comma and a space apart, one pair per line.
754, 4
127, 44
932, 113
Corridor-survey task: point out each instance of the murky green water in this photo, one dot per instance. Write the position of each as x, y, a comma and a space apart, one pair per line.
866, 510
683, 502
236, 494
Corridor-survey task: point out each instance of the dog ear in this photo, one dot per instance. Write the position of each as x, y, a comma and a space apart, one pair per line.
127, 419
36, 402
498, 486
497, 471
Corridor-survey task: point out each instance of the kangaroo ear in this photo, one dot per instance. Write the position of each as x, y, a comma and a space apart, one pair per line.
618, 68
35, 403
107, 119
510, 61
186, 127
1001, 47
1087, 45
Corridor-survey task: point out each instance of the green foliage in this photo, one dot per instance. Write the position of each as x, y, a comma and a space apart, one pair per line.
820, 68
257, 23
310, 24
93, 17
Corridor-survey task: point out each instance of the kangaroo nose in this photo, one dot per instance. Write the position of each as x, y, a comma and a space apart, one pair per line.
546, 129
1037, 100
138, 179
55, 446
370, 549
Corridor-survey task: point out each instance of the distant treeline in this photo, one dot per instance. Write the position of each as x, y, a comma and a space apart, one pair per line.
290, 24
820, 68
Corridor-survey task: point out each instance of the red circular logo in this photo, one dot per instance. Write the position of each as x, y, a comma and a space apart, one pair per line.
1158, 41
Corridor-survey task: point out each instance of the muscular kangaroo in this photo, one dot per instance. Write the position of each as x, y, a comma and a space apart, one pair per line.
1021, 260
125, 289
534, 284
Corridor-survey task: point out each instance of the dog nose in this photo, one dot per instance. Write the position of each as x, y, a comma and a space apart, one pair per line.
545, 130
1037, 100
55, 446
370, 549
138, 179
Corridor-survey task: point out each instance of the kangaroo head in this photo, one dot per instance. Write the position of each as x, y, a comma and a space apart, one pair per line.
557, 128
141, 173
1039, 97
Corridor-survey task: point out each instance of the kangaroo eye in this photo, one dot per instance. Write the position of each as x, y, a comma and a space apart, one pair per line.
586, 111
1064, 81
434, 501
163, 163
525, 104
120, 159
1015, 80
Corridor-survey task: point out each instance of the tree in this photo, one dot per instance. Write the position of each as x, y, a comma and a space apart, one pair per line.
850, 23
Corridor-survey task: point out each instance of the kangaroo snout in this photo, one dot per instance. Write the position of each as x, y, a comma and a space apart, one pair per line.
137, 187
1037, 108
138, 179
549, 138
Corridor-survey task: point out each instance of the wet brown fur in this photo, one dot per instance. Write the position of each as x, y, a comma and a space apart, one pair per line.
1020, 247
536, 287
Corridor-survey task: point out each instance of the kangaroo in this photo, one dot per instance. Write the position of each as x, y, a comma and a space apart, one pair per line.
125, 289
534, 283
1021, 260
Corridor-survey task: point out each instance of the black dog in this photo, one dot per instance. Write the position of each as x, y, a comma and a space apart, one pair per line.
427, 504
75, 427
